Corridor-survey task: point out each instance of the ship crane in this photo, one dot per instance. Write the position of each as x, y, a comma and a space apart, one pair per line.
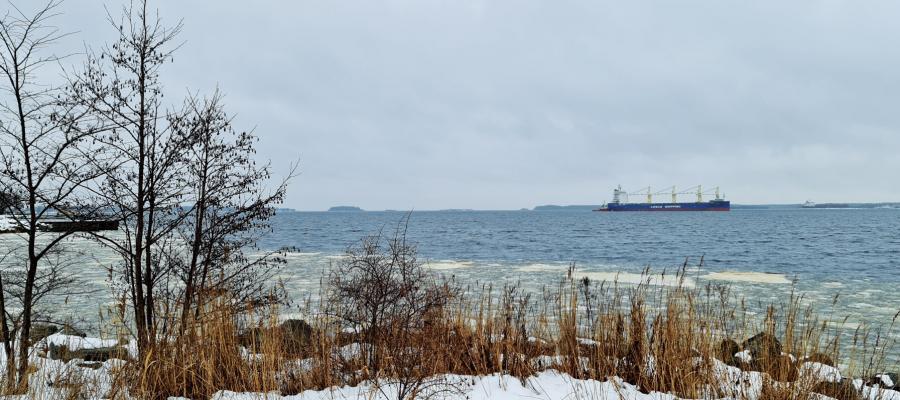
620, 195
644, 192
714, 191
669, 190
621, 200
698, 191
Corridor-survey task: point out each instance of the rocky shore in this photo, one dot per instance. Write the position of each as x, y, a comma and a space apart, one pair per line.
751, 369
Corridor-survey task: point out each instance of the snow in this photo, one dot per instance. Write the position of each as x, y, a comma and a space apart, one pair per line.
736, 383
74, 343
744, 356
886, 380
820, 372
791, 356
532, 339
7, 223
875, 392
548, 385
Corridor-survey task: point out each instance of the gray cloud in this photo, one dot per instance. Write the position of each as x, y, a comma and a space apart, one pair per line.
506, 104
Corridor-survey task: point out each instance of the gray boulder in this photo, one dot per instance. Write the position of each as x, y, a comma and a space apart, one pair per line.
763, 347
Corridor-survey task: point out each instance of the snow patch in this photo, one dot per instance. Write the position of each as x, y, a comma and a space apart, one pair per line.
548, 385
7, 223
744, 356
820, 372
74, 343
886, 380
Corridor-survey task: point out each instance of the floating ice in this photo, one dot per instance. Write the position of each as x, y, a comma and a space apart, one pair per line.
637, 279
752, 277
539, 267
448, 264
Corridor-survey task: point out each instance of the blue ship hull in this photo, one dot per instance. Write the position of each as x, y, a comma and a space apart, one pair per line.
714, 205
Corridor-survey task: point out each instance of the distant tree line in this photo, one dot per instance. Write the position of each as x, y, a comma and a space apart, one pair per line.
182, 181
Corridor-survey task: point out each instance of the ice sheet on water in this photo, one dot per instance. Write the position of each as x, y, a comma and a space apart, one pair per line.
541, 267
448, 264
750, 277
629, 278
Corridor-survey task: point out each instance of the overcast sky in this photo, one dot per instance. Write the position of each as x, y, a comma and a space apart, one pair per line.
504, 104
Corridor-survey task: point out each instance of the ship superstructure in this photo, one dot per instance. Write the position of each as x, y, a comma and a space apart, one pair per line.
621, 200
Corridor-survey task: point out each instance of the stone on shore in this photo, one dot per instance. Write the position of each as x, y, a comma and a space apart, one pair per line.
294, 336
842, 390
763, 347
727, 350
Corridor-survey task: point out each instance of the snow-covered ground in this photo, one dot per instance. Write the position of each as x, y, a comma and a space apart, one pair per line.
7, 223
552, 385
53, 377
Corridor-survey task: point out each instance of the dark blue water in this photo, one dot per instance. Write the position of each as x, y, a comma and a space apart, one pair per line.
810, 245
852, 255
762, 254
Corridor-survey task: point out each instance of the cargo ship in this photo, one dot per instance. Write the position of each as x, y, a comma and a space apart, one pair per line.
620, 201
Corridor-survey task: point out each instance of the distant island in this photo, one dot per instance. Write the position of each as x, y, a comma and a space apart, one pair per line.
553, 207
345, 209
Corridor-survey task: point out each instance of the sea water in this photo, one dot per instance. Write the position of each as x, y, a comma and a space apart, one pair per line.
852, 255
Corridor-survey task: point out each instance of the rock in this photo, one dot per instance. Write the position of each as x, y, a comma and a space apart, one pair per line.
102, 354
887, 380
763, 347
90, 364
90, 355
821, 359
843, 390
251, 338
296, 333
40, 331
727, 350
71, 331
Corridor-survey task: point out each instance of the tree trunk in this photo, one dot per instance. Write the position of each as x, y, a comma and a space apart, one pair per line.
7, 342
32, 239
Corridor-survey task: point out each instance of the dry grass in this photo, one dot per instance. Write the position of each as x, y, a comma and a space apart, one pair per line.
660, 338
207, 357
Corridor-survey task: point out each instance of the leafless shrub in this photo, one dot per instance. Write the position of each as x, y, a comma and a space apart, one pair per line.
382, 292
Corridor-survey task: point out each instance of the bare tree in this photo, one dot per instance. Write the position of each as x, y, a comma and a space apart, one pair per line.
183, 182
42, 170
121, 90
230, 209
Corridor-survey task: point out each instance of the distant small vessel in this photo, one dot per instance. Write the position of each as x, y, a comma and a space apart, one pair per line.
810, 204
620, 201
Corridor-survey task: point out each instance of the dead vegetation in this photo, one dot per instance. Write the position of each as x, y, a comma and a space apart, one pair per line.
386, 319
